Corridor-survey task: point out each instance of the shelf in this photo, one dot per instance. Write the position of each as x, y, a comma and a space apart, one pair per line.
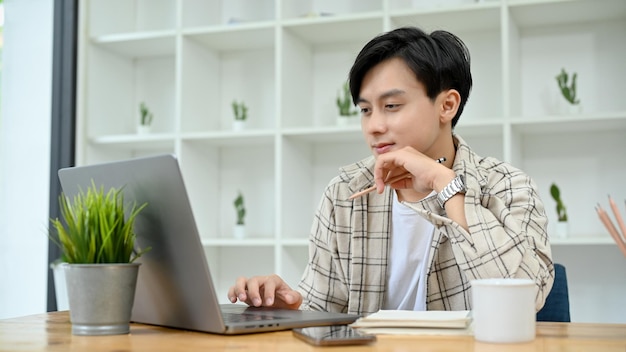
538, 13
129, 141
143, 44
188, 64
336, 29
228, 138
582, 241
592, 48
456, 19
570, 123
295, 242
213, 77
240, 37
325, 134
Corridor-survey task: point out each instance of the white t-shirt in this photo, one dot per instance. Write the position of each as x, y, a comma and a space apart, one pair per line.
407, 265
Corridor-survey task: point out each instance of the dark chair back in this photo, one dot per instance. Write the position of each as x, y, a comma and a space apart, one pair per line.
556, 307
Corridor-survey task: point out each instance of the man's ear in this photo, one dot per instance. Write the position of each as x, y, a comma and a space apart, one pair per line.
449, 103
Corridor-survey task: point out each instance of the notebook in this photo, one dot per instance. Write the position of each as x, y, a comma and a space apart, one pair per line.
174, 287
416, 319
404, 322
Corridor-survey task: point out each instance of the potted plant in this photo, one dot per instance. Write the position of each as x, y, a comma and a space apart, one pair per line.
568, 90
97, 244
145, 119
345, 106
561, 212
240, 110
240, 209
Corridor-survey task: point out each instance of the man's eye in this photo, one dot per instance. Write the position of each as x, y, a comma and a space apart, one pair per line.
392, 106
364, 110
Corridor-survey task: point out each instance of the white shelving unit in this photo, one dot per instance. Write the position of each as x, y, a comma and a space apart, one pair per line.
189, 59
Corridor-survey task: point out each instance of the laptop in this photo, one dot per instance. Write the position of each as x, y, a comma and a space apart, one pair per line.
174, 287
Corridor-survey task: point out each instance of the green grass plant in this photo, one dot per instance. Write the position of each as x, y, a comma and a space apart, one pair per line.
94, 229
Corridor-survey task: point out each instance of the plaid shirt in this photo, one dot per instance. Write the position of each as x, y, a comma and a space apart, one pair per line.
349, 242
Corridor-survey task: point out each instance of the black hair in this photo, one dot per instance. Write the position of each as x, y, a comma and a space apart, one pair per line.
440, 61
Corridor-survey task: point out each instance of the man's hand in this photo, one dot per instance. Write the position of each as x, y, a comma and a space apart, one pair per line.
426, 174
265, 291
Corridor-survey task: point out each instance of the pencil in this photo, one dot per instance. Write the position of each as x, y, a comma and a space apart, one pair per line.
618, 218
611, 228
391, 181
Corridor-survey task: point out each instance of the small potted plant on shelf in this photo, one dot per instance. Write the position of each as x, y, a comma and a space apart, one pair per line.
568, 90
240, 110
240, 209
145, 119
561, 212
345, 106
97, 247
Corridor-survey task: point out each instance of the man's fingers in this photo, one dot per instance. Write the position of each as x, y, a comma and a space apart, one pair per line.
232, 297
269, 289
291, 299
240, 288
254, 296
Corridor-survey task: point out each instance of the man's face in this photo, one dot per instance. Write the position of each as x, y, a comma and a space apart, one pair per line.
396, 112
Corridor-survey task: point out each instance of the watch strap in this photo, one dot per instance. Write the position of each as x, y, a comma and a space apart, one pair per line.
457, 185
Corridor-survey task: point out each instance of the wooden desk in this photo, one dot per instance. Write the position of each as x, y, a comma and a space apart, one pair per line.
52, 332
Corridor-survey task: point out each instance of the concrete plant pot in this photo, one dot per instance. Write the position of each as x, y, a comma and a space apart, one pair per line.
101, 297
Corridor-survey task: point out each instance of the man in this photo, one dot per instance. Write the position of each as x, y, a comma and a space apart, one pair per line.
418, 242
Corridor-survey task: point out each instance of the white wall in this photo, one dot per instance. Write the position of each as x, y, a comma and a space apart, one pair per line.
25, 155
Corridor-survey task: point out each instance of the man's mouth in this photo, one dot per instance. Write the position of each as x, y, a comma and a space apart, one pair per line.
381, 148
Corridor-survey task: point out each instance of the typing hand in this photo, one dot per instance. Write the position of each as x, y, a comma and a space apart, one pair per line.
265, 291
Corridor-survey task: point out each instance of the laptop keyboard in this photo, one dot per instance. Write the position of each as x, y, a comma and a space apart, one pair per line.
244, 317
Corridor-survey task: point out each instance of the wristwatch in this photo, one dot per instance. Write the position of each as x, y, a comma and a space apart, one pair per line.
457, 185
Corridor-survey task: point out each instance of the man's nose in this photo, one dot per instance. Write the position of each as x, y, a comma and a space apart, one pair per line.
375, 123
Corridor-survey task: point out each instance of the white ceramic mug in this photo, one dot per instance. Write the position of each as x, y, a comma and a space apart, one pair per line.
503, 310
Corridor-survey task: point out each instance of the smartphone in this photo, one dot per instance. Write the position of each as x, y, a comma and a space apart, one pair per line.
333, 335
